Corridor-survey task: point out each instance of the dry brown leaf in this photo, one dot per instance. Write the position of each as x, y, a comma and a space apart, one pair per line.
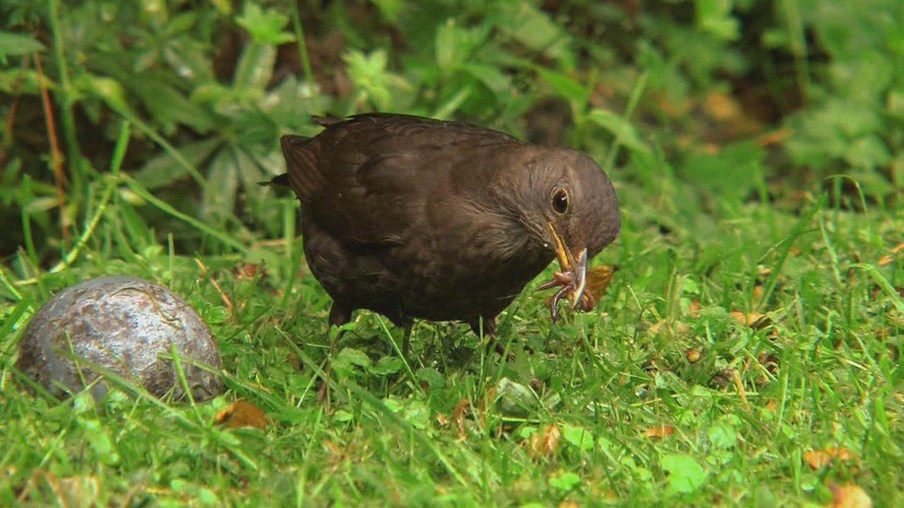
241, 413
568, 503
245, 270
657, 431
816, 458
458, 416
693, 355
751, 319
721, 106
757, 291
693, 307
819, 458
598, 279
775, 137
849, 496
674, 327
739, 385
888, 258
545, 441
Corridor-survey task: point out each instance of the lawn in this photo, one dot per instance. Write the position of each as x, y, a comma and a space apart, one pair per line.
748, 350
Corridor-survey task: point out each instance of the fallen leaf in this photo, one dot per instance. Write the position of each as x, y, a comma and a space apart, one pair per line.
888, 258
819, 458
693, 307
598, 279
545, 441
245, 270
658, 431
458, 416
849, 496
693, 355
241, 413
721, 106
673, 327
739, 385
775, 137
751, 319
757, 291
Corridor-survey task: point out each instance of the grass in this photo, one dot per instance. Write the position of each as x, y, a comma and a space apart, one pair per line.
733, 343
748, 351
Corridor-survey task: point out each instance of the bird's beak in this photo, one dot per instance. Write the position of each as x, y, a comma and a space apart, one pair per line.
576, 267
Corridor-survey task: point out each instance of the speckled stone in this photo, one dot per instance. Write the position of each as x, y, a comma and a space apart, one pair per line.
121, 324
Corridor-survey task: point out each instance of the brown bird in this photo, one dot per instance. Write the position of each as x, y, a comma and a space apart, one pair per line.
419, 218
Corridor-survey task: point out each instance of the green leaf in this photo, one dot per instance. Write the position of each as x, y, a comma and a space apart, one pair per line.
218, 196
264, 26
430, 376
164, 169
417, 413
390, 9
564, 85
387, 365
624, 132
564, 480
514, 399
349, 357
714, 16
578, 436
12, 44
685, 474
723, 435
530, 26
732, 172
254, 68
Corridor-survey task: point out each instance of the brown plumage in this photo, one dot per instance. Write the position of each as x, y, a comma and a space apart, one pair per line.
419, 218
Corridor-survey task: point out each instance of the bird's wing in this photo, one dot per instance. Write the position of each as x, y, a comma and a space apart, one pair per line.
369, 179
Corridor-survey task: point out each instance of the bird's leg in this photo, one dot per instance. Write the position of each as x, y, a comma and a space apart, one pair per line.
406, 341
339, 315
487, 325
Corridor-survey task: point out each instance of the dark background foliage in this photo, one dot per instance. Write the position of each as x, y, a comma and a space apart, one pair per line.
707, 89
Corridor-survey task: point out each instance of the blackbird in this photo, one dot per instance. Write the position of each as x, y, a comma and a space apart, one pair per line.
413, 217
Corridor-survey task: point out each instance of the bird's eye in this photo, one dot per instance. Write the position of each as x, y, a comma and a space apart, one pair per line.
560, 201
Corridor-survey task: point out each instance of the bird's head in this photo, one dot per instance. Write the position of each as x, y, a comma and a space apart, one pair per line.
567, 203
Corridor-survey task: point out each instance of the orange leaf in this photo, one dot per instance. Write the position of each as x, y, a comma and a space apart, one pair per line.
751, 319
819, 458
693, 355
661, 430
816, 458
693, 307
545, 441
849, 496
458, 416
888, 258
241, 413
598, 279
774, 137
